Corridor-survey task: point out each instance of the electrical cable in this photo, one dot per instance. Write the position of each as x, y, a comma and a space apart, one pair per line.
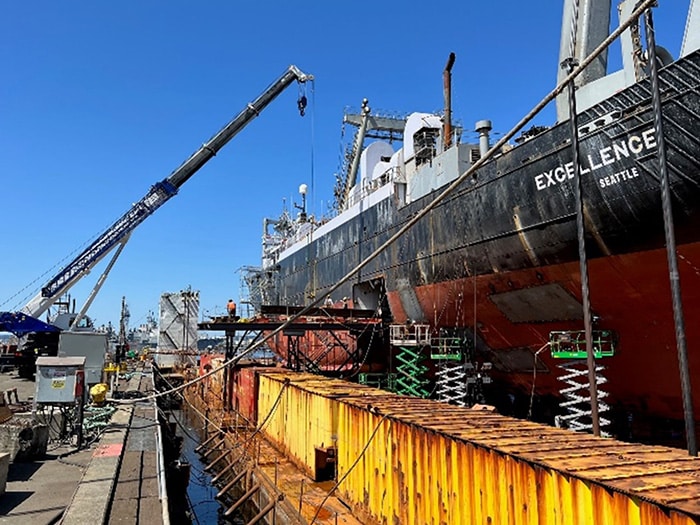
257, 429
191, 508
186, 431
71, 463
357, 367
534, 378
313, 121
203, 416
243, 445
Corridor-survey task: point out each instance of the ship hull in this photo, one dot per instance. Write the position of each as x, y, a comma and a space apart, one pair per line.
499, 255
631, 297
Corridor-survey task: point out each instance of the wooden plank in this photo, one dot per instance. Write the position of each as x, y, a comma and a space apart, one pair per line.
149, 475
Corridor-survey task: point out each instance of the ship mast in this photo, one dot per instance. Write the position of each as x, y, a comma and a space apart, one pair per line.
591, 29
123, 327
355, 160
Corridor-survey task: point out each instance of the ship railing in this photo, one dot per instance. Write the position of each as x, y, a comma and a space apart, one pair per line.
304, 230
271, 243
393, 174
409, 334
367, 187
355, 196
396, 174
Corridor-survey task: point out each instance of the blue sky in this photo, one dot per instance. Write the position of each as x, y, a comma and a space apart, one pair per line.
99, 100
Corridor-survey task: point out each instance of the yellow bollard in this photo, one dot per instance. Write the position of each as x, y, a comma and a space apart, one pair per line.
98, 393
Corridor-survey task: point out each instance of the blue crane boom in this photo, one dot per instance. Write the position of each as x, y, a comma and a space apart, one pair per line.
158, 194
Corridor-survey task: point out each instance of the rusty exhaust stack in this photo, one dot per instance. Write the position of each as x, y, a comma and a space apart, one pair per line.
447, 91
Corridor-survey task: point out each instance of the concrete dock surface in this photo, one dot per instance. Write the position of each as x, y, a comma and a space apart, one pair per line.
112, 480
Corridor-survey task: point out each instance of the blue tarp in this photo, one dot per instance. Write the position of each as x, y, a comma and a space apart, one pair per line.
21, 324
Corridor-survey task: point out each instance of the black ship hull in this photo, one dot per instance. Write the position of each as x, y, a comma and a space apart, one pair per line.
499, 256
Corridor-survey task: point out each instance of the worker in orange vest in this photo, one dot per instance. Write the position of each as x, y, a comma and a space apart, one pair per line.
231, 309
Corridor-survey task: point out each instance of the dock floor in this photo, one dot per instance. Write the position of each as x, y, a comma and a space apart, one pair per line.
114, 480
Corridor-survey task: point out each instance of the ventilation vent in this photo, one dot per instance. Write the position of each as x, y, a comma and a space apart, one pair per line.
474, 155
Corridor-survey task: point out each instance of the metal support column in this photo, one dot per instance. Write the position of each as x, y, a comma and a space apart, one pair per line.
670, 241
571, 63
293, 350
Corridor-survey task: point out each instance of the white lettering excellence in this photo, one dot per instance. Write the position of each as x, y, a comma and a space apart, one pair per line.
633, 145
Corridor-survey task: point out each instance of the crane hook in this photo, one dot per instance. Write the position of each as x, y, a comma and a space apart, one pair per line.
301, 104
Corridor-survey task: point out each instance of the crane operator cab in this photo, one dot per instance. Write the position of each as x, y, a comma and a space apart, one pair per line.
64, 321
37, 344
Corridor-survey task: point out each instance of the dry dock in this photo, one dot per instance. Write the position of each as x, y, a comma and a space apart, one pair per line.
402, 460
300, 448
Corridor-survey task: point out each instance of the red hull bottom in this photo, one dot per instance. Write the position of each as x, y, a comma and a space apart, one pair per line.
329, 351
630, 295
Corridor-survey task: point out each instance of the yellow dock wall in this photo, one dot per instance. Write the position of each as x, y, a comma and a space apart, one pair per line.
301, 421
431, 463
410, 474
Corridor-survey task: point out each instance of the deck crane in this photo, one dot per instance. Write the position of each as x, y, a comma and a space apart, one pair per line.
119, 232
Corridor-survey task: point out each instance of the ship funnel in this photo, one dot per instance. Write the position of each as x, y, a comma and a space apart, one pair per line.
447, 93
483, 127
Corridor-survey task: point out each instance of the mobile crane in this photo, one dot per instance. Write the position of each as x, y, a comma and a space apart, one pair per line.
25, 321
